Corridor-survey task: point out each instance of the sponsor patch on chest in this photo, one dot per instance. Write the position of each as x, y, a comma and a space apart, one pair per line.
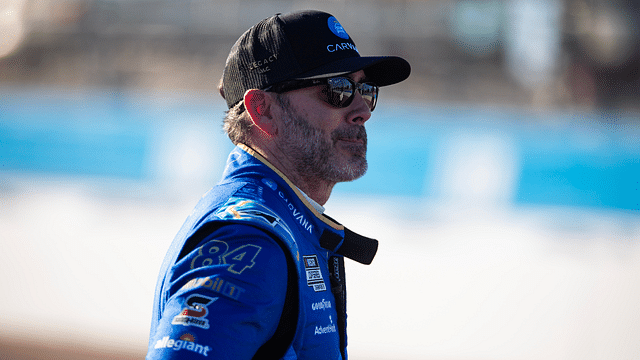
314, 274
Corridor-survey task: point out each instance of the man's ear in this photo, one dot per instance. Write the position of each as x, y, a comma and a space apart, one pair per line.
258, 105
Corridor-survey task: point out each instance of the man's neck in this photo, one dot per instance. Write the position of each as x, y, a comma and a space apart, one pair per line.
316, 189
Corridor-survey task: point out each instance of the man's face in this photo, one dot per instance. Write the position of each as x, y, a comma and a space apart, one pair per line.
322, 141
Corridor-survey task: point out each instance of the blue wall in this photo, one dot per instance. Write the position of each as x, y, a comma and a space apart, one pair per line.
563, 158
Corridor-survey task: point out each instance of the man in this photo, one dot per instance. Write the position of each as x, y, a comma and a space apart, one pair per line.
257, 270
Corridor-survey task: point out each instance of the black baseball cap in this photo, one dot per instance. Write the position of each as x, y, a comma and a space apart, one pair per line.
297, 46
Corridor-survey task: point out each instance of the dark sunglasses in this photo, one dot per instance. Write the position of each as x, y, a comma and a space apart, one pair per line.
340, 91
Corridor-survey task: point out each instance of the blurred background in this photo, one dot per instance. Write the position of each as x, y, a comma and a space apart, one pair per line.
503, 181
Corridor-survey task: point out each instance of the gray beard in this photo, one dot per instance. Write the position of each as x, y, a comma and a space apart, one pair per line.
316, 158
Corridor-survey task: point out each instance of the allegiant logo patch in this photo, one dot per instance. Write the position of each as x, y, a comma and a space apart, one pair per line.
186, 342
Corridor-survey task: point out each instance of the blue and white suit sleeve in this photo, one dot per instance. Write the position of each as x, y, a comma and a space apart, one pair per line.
225, 297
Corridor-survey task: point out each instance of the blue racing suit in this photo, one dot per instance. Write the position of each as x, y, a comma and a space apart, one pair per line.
256, 272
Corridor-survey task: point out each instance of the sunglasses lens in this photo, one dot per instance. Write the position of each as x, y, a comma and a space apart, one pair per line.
340, 92
370, 95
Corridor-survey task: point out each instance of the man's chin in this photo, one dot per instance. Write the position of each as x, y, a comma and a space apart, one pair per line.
355, 169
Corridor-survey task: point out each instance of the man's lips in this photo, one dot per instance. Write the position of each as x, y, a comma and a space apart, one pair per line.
351, 140
352, 136
354, 146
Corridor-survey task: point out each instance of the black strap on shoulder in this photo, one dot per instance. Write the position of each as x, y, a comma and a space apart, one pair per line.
355, 247
339, 290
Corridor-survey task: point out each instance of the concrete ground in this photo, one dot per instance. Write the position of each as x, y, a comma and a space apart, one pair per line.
452, 280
